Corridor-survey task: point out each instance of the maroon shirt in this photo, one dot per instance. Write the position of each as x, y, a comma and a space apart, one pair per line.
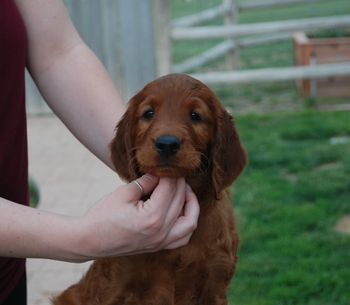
13, 133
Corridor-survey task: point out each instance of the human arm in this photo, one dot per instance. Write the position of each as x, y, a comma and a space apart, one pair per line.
76, 86
70, 77
120, 224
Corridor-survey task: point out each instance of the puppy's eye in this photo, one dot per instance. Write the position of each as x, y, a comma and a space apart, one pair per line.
148, 114
195, 117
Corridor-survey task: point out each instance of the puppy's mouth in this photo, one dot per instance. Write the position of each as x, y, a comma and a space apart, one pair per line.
164, 170
160, 166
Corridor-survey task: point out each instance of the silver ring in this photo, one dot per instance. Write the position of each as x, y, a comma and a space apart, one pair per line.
140, 187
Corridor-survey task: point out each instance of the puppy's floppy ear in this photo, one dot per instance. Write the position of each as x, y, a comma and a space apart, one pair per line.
228, 155
121, 147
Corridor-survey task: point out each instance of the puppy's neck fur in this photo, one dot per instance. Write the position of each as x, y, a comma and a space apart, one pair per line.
203, 188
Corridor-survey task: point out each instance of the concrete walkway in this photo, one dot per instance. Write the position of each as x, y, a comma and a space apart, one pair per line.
71, 180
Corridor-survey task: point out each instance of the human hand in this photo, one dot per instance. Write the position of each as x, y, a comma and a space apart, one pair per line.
123, 224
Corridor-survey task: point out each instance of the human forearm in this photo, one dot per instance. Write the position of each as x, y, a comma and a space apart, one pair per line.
70, 77
78, 89
28, 232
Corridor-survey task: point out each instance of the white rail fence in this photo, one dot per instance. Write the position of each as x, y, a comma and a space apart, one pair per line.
238, 36
275, 74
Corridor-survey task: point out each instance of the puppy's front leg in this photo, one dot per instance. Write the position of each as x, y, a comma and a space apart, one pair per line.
220, 270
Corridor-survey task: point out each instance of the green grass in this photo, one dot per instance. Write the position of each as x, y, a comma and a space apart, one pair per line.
287, 201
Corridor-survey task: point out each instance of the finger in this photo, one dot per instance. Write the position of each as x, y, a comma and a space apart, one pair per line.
191, 207
185, 225
162, 196
179, 243
143, 186
177, 204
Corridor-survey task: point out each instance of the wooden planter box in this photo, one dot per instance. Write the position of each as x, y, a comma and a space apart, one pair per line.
309, 51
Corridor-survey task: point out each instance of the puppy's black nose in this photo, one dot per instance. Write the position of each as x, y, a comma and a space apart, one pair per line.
167, 145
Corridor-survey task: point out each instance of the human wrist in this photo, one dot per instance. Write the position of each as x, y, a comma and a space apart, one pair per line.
77, 241
64, 239
86, 241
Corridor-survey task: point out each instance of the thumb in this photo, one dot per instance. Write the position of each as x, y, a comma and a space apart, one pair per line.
142, 186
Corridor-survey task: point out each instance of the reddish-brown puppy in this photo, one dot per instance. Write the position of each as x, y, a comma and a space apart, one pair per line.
174, 126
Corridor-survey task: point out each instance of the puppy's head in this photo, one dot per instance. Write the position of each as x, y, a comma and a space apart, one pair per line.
173, 127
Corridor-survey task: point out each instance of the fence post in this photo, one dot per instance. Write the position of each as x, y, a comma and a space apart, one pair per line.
163, 40
231, 17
